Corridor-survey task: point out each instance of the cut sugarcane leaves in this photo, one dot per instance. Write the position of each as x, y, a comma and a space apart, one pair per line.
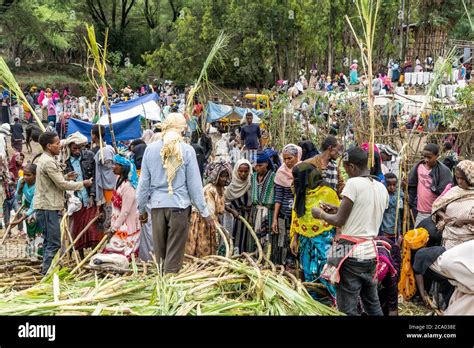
214, 285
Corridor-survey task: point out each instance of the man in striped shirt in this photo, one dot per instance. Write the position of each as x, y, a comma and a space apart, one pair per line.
326, 162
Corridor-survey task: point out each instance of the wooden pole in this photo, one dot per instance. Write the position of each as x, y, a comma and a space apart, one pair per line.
8, 230
109, 115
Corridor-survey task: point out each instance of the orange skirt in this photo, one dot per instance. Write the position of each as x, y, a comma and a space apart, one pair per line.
108, 195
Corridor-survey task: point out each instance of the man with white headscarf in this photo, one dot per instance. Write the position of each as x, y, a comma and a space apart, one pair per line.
81, 161
170, 179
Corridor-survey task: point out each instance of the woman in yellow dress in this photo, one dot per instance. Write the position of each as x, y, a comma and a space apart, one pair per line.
311, 238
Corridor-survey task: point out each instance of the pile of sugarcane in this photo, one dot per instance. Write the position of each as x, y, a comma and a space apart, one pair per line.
214, 285
19, 273
409, 308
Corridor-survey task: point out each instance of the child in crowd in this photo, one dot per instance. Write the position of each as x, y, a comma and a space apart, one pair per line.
9, 202
390, 218
388, 273
25, 193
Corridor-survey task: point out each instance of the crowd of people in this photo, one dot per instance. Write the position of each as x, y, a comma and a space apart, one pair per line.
388, 79
316, 209
56, 107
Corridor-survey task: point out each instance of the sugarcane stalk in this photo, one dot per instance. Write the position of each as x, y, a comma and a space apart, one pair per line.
64, 226
84, 230
92, 253
98, 55
400, 179
9, 228
254, 236
226, 243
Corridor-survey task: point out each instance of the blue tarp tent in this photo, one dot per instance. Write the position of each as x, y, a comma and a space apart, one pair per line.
215, 112
256, 113
124, 130
146, 106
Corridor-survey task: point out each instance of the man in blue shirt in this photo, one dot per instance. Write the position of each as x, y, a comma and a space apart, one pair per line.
250, 137
387, 229
170, 180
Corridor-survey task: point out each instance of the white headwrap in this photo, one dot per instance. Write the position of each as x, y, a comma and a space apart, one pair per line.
171, 154
238, 187
147, 135
74, 138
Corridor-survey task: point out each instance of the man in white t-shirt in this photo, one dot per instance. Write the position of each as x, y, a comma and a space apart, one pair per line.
360, 216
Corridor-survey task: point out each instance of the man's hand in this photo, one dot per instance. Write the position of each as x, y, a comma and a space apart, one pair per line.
294, 246
91, 202
109, 234
328, 208
426, 299
210, 224
144, 218
71, 176
235, 214
87, 183
19, 220
459, 222
316, 212
275, 227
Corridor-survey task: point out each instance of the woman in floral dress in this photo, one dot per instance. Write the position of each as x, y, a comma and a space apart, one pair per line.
201, 242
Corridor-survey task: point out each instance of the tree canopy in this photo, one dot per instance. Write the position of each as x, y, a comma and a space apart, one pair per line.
170, 39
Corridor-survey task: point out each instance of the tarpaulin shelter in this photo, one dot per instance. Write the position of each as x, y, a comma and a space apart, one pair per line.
146, 106
216, 112
127, 129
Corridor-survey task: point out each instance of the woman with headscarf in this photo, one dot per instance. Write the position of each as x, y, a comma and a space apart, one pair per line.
454, 214
15, 166
354, 80
137, 149
201, 240
283, 205
311, 238
263, 199
125, 227
238, 197
275, 161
